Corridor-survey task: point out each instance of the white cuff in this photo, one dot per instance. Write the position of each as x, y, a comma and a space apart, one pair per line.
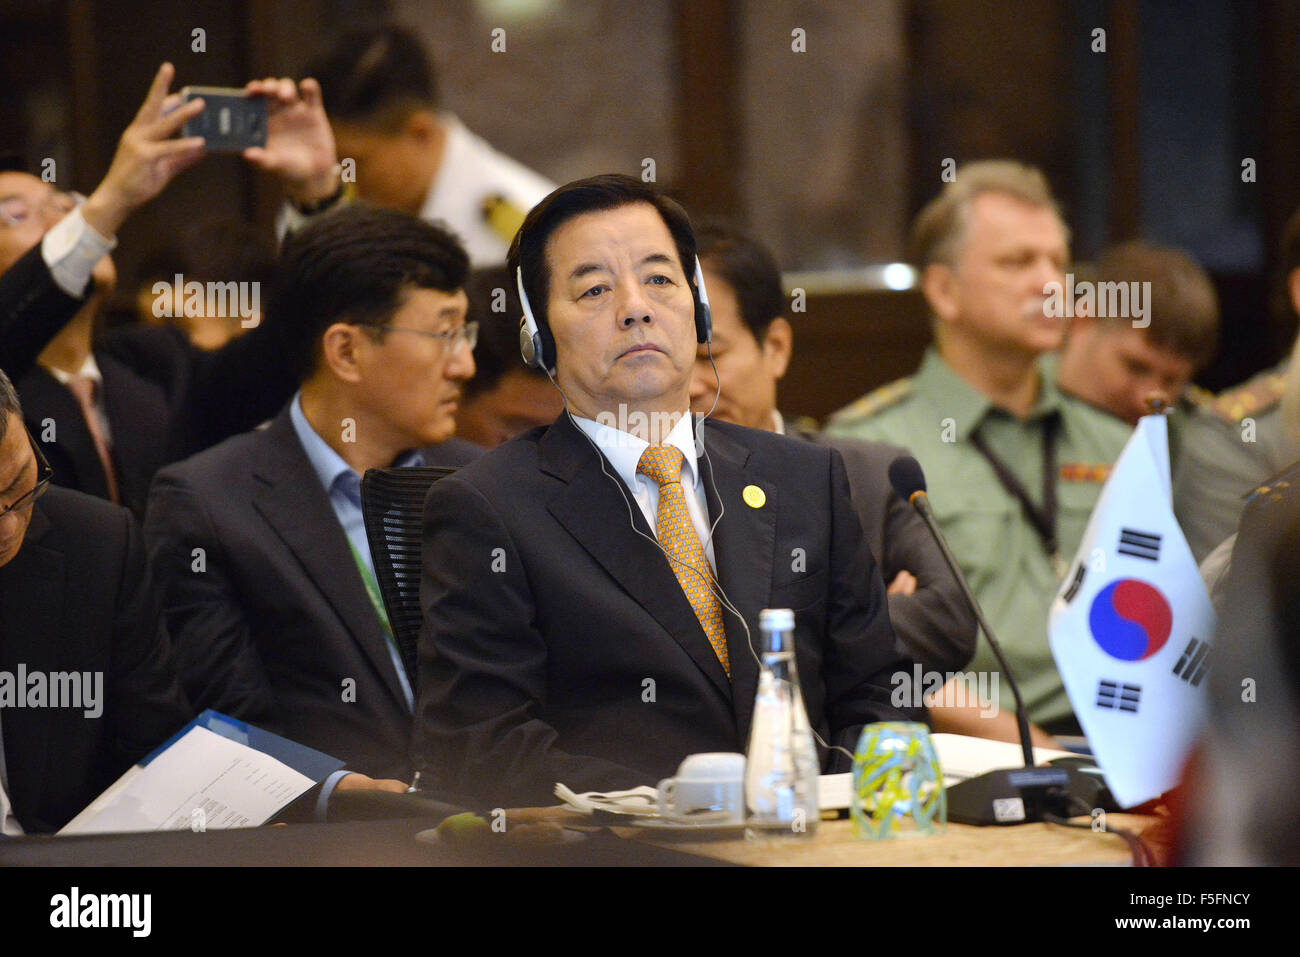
71, 249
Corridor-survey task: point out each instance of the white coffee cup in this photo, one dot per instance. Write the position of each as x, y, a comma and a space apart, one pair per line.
708, 788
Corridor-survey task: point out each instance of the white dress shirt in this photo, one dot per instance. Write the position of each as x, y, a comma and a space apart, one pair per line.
624, 451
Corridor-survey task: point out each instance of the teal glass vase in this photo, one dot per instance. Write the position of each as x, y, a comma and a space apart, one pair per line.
897, 783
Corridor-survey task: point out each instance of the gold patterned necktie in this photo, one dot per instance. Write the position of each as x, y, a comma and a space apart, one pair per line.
663, 465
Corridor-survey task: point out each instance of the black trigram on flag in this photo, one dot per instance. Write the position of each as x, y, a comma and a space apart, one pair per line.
1139, 544
1118, 697
1194, 663
1075, 584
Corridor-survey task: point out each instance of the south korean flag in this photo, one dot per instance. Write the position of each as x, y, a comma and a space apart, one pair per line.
1131, 628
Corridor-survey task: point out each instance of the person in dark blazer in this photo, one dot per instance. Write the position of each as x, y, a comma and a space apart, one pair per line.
258, 542
75, 596
752, 345
150, 396
576, 626
137, 407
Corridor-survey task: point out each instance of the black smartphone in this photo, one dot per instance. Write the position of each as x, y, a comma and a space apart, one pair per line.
231, 120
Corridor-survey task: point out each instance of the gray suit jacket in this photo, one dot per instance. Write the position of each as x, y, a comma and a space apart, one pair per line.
934, 626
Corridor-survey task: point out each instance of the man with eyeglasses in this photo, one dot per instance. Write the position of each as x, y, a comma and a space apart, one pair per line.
259, 542
75, 596
110, 415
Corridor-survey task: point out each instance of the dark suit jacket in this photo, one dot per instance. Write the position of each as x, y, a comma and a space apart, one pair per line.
137, 414
77, 597
934, 626
278, 618
559, 646
205, 396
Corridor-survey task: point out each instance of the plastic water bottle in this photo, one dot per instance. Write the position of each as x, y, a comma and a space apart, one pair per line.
781, 766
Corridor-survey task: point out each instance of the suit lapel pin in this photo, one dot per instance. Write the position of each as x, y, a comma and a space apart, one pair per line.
753, 496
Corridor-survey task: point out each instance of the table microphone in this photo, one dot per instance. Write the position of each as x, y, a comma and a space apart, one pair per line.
1013, 795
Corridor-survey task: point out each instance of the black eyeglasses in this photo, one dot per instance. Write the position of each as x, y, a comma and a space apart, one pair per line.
44, 475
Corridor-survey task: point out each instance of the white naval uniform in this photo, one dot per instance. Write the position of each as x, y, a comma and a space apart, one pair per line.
471, 171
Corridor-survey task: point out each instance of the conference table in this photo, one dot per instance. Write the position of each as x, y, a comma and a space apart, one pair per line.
959, 845
558, 836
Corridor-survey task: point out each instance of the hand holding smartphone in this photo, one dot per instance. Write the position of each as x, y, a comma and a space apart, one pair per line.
231, 120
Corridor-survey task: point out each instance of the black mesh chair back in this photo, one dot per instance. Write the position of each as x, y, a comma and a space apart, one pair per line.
392, 503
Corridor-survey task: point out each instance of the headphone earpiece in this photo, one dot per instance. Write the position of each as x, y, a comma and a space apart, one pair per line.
703, 314
527, 344
536, 346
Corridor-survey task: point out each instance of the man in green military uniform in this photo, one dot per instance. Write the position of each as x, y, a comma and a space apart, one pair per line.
1014, 466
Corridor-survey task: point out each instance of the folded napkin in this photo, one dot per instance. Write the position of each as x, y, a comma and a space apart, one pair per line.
639, 802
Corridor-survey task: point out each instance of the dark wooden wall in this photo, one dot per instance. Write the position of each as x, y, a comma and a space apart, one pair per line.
848, 344
963, 102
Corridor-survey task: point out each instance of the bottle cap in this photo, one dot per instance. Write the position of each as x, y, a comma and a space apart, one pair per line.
776, 619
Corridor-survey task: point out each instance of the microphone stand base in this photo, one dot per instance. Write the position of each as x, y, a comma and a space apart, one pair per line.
1021, 795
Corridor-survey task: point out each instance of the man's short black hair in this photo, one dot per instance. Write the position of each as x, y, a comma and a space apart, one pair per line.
353, 265
8, 403
594, 194
494, 305
749, 268
377, 76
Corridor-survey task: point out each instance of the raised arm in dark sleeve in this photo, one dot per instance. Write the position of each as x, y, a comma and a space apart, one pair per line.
33, 310
213, 395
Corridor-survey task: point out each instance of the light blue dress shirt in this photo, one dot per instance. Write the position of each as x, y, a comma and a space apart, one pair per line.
624, 451
343, 486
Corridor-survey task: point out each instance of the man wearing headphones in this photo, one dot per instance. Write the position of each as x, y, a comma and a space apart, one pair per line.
592, 588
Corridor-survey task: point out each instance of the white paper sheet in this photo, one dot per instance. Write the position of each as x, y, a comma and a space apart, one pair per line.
202, 782
960, 757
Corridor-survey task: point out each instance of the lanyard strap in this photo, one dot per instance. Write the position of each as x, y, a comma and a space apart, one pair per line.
1041, 520
372, 589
